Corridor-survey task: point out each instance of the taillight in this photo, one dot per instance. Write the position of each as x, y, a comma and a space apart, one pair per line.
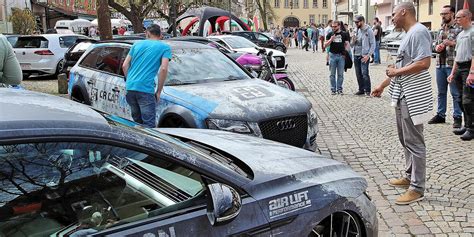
44, 52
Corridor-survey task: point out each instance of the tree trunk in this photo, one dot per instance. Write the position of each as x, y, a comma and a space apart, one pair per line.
137, 23
103, 18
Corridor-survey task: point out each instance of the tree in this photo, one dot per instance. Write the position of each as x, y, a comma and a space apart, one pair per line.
23, 21
134, 10
103, 18
265, 10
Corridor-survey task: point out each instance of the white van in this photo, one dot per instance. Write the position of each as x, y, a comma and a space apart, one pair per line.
75, 26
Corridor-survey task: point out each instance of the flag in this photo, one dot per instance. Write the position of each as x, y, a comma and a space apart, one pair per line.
466, 5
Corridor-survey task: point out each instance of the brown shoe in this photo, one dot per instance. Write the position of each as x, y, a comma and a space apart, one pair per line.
399, 183
410, 196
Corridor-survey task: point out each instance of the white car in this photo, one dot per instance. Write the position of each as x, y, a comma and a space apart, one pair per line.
243, 45
43, 54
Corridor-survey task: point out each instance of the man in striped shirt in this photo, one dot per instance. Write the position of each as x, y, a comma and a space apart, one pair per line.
410, 89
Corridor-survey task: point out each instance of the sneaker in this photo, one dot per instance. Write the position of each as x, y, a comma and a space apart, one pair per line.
437, 119
399, 183
340, 92
410, 196
468, 135
459, 131
333, 93
457, 122
359, 93
327, 63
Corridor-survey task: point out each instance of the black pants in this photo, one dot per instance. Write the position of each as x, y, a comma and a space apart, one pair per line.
306, 44
466, 93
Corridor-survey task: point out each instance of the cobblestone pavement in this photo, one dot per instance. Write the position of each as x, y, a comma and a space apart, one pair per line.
361, 132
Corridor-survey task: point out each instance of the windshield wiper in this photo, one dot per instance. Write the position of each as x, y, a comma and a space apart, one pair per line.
178, 82
233, 78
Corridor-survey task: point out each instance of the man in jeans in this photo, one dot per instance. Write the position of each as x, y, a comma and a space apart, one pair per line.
445, 45
363, 42
378, 38
146, 59
337, 41
462, 74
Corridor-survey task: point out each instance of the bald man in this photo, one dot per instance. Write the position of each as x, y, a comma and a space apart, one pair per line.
462, 74
411, 94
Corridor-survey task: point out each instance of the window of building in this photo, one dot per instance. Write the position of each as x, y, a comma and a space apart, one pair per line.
305, 3
277, 3
325, 3
296, 3
325, 19
311, 19
287, 3
430, 7
315, 3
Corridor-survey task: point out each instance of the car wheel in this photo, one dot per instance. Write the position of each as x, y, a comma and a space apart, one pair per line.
338, 224
174, 122
279, 48
60, 67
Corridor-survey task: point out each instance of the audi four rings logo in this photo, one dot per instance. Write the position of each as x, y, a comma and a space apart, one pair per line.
286, 124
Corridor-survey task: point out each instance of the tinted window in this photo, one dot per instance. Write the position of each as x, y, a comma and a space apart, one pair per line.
262, 37
107, 59
67, 41
31, 42
12, 39
204, 65
67, 188
91, 58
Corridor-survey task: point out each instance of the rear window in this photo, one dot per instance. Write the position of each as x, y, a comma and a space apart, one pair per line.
67, 41
81, 47
31, 42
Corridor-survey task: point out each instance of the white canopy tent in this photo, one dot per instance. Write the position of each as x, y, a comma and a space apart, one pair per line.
114, 22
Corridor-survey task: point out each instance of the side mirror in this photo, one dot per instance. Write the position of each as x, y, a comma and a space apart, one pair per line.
224, 203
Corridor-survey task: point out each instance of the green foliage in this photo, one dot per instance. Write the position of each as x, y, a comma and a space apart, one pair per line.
23, 21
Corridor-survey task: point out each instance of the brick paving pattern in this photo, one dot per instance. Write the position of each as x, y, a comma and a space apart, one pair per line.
361, 132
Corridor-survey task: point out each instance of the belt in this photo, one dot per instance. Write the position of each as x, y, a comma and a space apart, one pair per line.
466, 64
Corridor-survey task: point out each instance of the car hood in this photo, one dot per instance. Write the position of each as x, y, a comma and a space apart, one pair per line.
255, 51
250, 100
279, 168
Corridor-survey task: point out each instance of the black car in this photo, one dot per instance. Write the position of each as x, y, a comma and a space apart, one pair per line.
67, 170
261, 40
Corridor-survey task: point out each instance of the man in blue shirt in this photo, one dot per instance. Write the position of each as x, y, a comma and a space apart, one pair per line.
146, 59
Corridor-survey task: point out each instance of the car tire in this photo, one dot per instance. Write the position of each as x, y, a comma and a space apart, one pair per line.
174, 121
60, 67
342, 222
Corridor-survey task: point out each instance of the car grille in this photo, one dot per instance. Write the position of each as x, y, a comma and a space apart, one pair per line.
280, 62
290, 130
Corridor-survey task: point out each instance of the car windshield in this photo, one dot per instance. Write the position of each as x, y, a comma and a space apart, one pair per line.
239, 42
395, 34
201, 65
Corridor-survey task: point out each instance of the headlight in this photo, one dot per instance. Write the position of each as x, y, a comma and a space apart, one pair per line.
229, 125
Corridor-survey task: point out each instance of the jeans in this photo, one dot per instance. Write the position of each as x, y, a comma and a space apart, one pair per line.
336, 62
143, 107
442, 73
413, 142
362, 74
315, 45
377, 52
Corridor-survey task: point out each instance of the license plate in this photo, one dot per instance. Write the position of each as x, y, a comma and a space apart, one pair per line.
25, 66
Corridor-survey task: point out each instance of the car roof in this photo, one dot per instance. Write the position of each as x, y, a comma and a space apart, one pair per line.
38, 107
179, 44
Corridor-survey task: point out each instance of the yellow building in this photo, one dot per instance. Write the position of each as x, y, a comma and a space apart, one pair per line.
300, 12
428, 13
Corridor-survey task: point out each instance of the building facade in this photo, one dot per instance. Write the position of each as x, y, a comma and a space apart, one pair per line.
6, 11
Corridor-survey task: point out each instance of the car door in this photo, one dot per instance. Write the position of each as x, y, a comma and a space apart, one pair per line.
87, 78
264, 41
97, 189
